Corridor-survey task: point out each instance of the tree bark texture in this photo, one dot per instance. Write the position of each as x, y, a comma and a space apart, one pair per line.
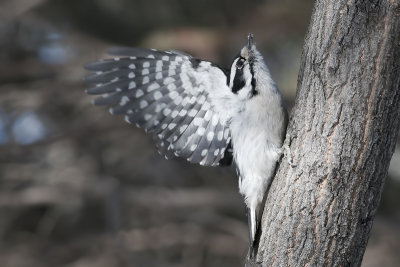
343, 132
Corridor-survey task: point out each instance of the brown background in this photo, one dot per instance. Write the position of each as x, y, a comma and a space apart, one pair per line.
79, 187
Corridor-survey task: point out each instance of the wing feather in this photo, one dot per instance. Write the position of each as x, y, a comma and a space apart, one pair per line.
184, 102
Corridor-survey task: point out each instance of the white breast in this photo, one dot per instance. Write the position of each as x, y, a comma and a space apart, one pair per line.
257, 137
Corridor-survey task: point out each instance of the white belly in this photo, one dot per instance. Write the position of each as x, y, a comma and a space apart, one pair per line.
255, 158
256, 139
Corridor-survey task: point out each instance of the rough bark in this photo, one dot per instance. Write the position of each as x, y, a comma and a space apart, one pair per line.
343, 133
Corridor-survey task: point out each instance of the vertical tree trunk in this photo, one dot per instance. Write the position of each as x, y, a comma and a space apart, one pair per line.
343, 127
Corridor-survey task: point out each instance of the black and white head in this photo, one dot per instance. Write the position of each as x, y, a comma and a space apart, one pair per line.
247, 71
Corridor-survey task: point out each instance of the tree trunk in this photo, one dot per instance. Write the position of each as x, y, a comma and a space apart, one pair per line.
343, 133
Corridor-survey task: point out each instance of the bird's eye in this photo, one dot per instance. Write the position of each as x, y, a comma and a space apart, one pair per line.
240, 63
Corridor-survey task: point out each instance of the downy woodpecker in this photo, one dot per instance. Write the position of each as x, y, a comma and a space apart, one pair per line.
198, 111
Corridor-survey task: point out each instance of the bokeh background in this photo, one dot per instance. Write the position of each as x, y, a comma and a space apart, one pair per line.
81, 188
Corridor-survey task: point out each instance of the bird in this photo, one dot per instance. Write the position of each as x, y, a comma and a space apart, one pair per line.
201, 112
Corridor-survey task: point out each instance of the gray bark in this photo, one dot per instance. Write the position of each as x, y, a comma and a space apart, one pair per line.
343, 133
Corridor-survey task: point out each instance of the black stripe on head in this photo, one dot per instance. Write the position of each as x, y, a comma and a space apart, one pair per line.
238, 81
253, 80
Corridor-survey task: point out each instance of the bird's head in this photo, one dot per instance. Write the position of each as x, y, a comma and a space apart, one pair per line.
247, 71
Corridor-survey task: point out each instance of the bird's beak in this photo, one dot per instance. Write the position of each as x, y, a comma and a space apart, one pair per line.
250, 39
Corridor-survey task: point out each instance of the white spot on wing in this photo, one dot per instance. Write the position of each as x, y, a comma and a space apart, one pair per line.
143, 104
208, 115
192, 100
202, 99
214, 120
139, 93
166, 112
145, 71
171, 72
145, 80
132, 66
157, 95
171, 86
174, 114
146, 64
178, 100
197, 121
201, 131
185, 101
173, 94
210, 136
206, 106
226, 133
160, 106
220, 135
183, 112
192, 113
124, 100
169, 80
152, 87
131, 75
132, 85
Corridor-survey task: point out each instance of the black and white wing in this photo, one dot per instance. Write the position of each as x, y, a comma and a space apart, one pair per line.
184, 102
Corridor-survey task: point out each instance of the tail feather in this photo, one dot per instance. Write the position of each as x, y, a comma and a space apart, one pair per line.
253, 225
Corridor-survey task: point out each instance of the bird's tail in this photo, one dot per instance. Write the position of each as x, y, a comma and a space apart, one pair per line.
252, 217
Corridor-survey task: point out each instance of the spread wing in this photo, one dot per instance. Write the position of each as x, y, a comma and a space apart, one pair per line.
185, 103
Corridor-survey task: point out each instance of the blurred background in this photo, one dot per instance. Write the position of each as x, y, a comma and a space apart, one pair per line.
81, 188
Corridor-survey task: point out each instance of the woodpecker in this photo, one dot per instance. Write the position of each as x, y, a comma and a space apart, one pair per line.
200, 112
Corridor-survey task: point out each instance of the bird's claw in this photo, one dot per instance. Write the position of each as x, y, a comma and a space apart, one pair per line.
285, 149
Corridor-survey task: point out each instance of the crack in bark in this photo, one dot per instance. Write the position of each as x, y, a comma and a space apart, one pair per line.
331, 134
371, 92
276, 240
295, 238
